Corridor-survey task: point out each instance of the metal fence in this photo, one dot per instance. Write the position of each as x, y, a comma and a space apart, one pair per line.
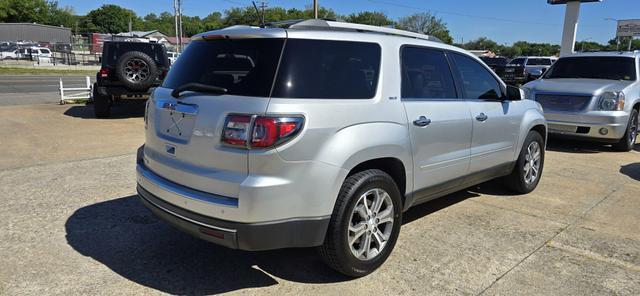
49, 54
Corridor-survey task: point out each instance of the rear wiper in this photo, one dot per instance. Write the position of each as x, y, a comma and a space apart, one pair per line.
199, 87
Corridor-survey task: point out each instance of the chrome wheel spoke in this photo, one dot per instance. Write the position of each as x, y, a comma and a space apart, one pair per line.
371, 224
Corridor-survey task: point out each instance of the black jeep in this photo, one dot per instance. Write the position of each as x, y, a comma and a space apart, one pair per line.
129, 70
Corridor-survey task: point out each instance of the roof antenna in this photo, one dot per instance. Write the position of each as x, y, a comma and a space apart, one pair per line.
260, 16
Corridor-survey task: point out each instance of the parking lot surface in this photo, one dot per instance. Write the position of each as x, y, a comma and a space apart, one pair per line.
34, 89
71, 224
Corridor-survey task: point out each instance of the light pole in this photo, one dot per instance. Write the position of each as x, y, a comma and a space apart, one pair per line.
617, 38
315, 9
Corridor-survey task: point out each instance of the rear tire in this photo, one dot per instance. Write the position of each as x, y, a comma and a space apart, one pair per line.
629, 139
101, 105
528, 169
365, 223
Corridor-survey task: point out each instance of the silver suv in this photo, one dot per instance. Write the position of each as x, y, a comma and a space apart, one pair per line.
321, 134
594, 96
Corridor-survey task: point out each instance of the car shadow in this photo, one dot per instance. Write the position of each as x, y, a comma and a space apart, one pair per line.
576, 146
121, 110
127, 238
631, 170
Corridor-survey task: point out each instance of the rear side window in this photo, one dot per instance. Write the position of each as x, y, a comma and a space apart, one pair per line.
426, 74
477, 81
328, 70
245, 67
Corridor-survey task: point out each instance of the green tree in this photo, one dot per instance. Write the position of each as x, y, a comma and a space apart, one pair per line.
111, 19
426, 23
482, 43
374, 18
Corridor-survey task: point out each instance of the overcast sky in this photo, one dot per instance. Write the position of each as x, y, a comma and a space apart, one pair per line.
504, 21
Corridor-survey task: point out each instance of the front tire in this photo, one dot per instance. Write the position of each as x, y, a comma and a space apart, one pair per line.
629, 139
365, 224
528, 169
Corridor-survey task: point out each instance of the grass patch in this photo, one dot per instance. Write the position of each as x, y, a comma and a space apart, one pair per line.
37, 71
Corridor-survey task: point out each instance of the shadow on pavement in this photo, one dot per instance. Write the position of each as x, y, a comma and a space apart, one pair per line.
123, 235
576, 146
123, 109
631, 170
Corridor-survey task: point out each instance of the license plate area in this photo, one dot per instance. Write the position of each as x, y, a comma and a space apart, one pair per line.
562, 128
175, 120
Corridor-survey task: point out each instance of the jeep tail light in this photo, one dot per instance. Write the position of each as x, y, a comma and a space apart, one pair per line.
253, 131
163, 74
104, 72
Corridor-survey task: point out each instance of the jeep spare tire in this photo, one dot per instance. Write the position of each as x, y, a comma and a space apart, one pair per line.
136, 70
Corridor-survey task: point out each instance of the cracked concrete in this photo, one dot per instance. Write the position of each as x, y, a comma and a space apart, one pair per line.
72, 225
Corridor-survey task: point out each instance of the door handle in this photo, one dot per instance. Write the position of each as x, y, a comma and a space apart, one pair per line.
482, 117
422, 121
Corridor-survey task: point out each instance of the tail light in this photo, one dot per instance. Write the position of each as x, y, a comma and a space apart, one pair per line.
104, 72
253, 131
163, 74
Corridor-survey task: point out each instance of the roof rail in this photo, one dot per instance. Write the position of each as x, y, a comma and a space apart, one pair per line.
333, 25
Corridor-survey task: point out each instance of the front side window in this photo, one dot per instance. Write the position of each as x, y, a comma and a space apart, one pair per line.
426, 74
477, 81
613, 68
328, 70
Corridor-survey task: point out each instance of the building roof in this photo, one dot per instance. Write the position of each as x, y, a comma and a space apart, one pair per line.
174, 40
36, 25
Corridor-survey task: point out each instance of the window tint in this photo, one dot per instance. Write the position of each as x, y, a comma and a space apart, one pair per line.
477, 81
328, 69
426, 74
244, 67
539, 62
518, 61
614, 68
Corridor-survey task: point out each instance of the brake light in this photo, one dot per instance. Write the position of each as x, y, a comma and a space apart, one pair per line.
260, 131
164, 73
104, 72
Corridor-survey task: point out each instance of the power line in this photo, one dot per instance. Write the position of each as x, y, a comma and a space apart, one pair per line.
463, 14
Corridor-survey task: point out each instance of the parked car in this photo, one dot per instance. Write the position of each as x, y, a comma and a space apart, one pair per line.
173, 56
255, 143
524, 69
593, 96
129, 70
35, 53
497, 64
9, 55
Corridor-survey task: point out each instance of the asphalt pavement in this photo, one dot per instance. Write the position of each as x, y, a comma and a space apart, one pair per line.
28, 89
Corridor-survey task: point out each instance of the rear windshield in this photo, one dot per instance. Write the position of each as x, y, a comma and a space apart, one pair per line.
518, 61
613, 68
494, 61
539, 62
309, 68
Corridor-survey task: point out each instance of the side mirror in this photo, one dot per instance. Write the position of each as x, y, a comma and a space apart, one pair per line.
514, 93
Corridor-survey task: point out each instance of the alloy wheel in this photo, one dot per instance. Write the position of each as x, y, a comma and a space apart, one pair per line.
371, 224
136, 70
532, 162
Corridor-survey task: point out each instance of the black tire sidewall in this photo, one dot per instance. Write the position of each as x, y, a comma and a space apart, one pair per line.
624, 144
354, 266
523, 186
143, 84
101, 105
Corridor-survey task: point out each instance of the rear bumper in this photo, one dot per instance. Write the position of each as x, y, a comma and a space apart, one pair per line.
588, 125
245, 236
173, 203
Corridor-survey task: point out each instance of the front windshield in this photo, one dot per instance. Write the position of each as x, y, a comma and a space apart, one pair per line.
612, 68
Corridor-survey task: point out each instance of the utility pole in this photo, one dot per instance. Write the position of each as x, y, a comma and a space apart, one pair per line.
175, 21
180, 25
263, 5
315, 9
